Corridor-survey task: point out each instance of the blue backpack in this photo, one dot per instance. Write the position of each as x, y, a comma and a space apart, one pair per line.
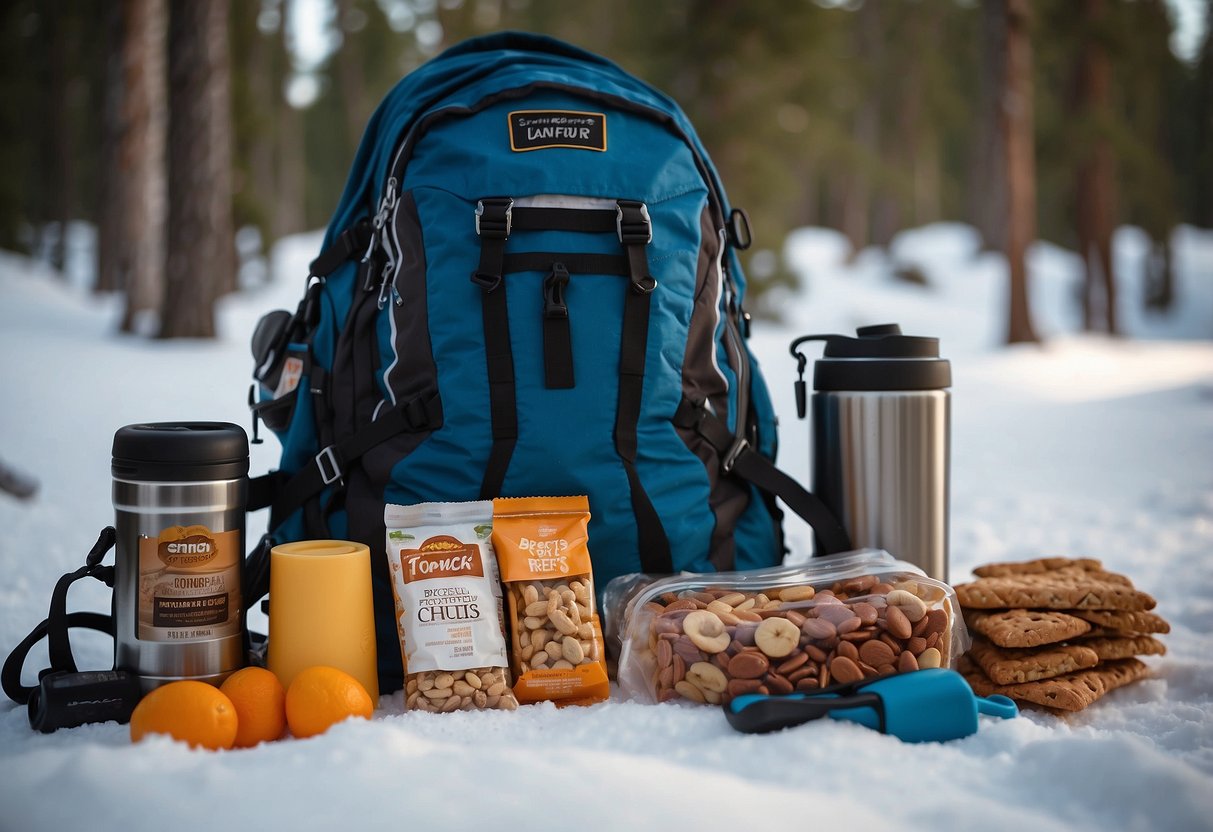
530, 287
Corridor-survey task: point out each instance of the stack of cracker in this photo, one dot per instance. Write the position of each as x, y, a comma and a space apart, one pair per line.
1058, 633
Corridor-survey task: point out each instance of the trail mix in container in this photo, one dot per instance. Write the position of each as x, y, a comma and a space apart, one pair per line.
709, 638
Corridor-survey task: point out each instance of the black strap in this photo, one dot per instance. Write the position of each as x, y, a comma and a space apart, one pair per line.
739, 458
588, 220
557, 330
577, 263
257, 571
349, 243
635, 233
418, 415
58, 621
263, 490
493, 222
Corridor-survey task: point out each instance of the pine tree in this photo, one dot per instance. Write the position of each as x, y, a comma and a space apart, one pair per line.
1016, 106
201, 257
1095, 185
140, 204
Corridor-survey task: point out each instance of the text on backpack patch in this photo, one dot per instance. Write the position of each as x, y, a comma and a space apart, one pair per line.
540, 129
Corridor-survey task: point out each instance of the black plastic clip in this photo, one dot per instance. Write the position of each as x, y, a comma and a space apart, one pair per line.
495, 217
554, 284
632, 222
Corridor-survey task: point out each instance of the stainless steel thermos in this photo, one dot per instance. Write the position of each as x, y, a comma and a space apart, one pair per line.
180, 490
881, 428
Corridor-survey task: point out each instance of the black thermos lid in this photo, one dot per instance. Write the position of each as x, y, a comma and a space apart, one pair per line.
180, 452
881, 358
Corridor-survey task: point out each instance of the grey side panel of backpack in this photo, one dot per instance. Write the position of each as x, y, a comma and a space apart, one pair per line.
702, 380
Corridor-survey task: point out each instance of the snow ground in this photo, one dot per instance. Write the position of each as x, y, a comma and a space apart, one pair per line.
1084, 446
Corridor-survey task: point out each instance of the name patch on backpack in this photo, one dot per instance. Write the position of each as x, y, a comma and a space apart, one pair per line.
540, 129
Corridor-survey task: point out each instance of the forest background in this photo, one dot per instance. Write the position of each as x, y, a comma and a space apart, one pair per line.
193, 134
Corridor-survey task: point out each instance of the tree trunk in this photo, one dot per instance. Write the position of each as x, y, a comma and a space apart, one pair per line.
200, 254
1202, 121
856, 195
1160, 276
1015, 119
350, 78
265, 87
110, 191
141, 157
987, 182
1096, 182
62, 181
289, 168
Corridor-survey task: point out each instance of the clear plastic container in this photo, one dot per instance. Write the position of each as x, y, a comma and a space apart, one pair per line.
705, 638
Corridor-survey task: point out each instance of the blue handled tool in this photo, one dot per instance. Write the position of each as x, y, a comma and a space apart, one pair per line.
923, 706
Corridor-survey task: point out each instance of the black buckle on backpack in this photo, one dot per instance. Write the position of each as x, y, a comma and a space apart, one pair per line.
422, 413
632, 222
328, 456
554, 284
351, 241
487, 282
495, 217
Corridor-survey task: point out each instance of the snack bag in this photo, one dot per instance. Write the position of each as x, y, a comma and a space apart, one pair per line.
796, 628
545, 563
448, 607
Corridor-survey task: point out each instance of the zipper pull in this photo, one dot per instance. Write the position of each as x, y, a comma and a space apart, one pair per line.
385, 283
378, 222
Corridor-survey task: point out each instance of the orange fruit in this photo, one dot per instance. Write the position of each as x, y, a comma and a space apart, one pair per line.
320, 697
260, 705
193, 712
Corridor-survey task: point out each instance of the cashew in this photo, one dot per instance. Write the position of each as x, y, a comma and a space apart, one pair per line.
913, 607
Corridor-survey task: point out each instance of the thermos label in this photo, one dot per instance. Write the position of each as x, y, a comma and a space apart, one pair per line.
189, 584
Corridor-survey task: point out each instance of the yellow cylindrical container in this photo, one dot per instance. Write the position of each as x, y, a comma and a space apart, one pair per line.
321, 612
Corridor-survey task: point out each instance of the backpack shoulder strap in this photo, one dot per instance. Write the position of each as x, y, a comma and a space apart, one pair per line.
738, 458
59, 621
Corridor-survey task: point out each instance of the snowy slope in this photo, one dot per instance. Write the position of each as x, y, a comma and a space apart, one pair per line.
1081, 447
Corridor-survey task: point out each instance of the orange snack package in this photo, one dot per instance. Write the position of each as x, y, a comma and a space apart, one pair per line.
557, 648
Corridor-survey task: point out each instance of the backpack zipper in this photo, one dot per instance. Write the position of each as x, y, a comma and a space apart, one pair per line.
387, 210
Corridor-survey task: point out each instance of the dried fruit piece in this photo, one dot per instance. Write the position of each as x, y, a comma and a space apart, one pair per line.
706, 631
707, 677
777, 637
